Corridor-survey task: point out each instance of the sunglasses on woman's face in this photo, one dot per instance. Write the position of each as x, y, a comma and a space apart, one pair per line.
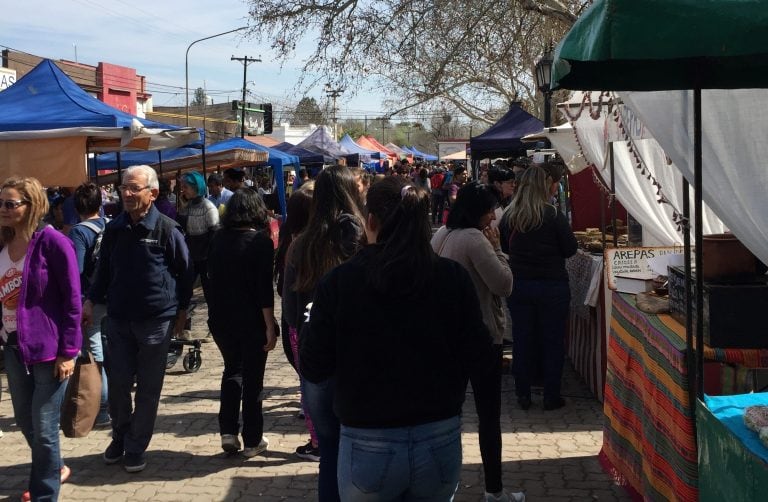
11, 204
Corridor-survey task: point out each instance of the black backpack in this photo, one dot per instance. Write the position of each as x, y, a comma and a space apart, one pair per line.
91, 266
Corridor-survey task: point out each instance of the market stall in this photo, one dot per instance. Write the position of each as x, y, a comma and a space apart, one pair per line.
649, 441
688, 47
586, 341
48, 125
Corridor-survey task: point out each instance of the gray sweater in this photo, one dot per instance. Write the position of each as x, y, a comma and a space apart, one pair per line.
487, 267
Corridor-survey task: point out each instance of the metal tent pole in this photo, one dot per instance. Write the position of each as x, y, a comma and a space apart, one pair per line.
698, 228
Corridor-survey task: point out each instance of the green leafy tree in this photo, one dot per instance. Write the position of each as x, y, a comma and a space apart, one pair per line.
199, 98
306, 112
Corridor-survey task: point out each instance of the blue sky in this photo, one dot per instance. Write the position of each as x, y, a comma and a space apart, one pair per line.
152, 37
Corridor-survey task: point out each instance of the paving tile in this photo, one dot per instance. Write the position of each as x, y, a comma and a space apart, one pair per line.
552, 455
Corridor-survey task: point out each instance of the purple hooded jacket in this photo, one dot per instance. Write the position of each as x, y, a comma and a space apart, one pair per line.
49, 312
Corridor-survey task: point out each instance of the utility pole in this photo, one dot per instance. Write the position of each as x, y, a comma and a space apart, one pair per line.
246, 61
383, 134
333, 93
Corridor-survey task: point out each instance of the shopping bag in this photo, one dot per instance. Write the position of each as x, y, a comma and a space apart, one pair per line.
82, 399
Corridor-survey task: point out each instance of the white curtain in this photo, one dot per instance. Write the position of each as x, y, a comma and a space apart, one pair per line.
634, 190
734, 151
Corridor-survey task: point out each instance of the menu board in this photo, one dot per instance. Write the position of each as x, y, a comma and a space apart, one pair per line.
621, 261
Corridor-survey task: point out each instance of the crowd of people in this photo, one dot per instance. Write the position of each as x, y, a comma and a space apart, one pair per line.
382, 385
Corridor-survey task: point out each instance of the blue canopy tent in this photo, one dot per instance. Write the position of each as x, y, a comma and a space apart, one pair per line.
306, 157
369, 158
417, 153
278, 161
65, 123
320, 141
502, 139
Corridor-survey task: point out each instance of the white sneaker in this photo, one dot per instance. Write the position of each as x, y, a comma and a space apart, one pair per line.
230, 443
252, 451
505, 497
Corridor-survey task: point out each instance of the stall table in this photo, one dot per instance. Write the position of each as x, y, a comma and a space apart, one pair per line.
649, 444
586, 342
733, 462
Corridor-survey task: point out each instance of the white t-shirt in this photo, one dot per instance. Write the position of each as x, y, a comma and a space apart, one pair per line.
10, 289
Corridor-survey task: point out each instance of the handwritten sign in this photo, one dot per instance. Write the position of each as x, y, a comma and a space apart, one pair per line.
622, 261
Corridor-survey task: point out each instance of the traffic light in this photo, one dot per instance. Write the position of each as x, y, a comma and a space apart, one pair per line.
235, 105
267, 107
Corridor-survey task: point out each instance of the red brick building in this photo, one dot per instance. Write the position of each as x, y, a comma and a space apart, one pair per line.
115, 85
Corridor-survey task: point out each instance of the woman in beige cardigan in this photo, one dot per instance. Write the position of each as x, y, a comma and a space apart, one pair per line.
469, 239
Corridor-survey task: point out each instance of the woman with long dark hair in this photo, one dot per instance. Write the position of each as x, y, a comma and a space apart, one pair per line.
400, 376
469, 239
332, 236
240, 279
41, 307
297, 210
538, 239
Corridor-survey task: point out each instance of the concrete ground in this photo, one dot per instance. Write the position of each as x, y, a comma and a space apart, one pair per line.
551, 455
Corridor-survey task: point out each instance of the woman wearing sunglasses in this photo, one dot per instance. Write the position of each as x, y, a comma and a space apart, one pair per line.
40, 297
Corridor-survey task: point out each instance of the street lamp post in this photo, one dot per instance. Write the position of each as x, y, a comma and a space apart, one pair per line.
186, 63
543, 80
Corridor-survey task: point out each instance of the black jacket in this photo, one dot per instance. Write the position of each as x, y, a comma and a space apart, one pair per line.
144, 268
239, 280
396, 363
540, 253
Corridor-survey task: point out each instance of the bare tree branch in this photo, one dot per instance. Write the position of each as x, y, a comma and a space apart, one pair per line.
473, 56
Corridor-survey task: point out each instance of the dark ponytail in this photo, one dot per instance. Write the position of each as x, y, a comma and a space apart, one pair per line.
404, 262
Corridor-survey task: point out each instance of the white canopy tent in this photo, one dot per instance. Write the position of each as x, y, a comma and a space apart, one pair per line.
734, 152
597, 123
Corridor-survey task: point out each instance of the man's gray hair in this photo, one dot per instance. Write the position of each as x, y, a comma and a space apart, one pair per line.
150, 173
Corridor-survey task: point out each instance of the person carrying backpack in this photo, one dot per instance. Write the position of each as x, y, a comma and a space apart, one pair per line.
86, 237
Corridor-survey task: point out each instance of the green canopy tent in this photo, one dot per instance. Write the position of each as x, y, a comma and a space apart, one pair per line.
652, 45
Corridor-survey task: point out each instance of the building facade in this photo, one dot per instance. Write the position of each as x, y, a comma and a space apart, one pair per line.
116, 85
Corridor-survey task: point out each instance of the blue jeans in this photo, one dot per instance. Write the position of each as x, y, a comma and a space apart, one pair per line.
539, 311
92, 341
137, 349
422, 462
37, 398
318, 398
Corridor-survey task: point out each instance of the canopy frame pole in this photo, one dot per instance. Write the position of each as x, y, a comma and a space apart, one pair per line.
690, 359
612, 200
698, 240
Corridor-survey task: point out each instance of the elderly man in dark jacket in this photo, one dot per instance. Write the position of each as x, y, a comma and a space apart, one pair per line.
144, 272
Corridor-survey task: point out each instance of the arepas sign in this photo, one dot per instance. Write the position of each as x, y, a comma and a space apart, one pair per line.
621, 261
7, 78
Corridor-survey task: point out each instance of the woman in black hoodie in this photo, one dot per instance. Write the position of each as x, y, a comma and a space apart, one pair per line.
400, 376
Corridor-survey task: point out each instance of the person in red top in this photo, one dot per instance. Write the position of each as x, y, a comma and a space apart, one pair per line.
438, 198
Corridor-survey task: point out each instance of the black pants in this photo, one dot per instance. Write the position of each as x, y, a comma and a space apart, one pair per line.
539, 310
137, 350
487, 392
241, 383
438, 205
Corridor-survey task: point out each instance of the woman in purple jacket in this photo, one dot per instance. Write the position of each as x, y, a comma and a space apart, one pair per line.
40, 297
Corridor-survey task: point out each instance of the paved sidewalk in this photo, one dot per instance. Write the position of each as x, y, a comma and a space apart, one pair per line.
551, 455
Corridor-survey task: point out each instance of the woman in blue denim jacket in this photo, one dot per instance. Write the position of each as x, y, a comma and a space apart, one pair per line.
41, 311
